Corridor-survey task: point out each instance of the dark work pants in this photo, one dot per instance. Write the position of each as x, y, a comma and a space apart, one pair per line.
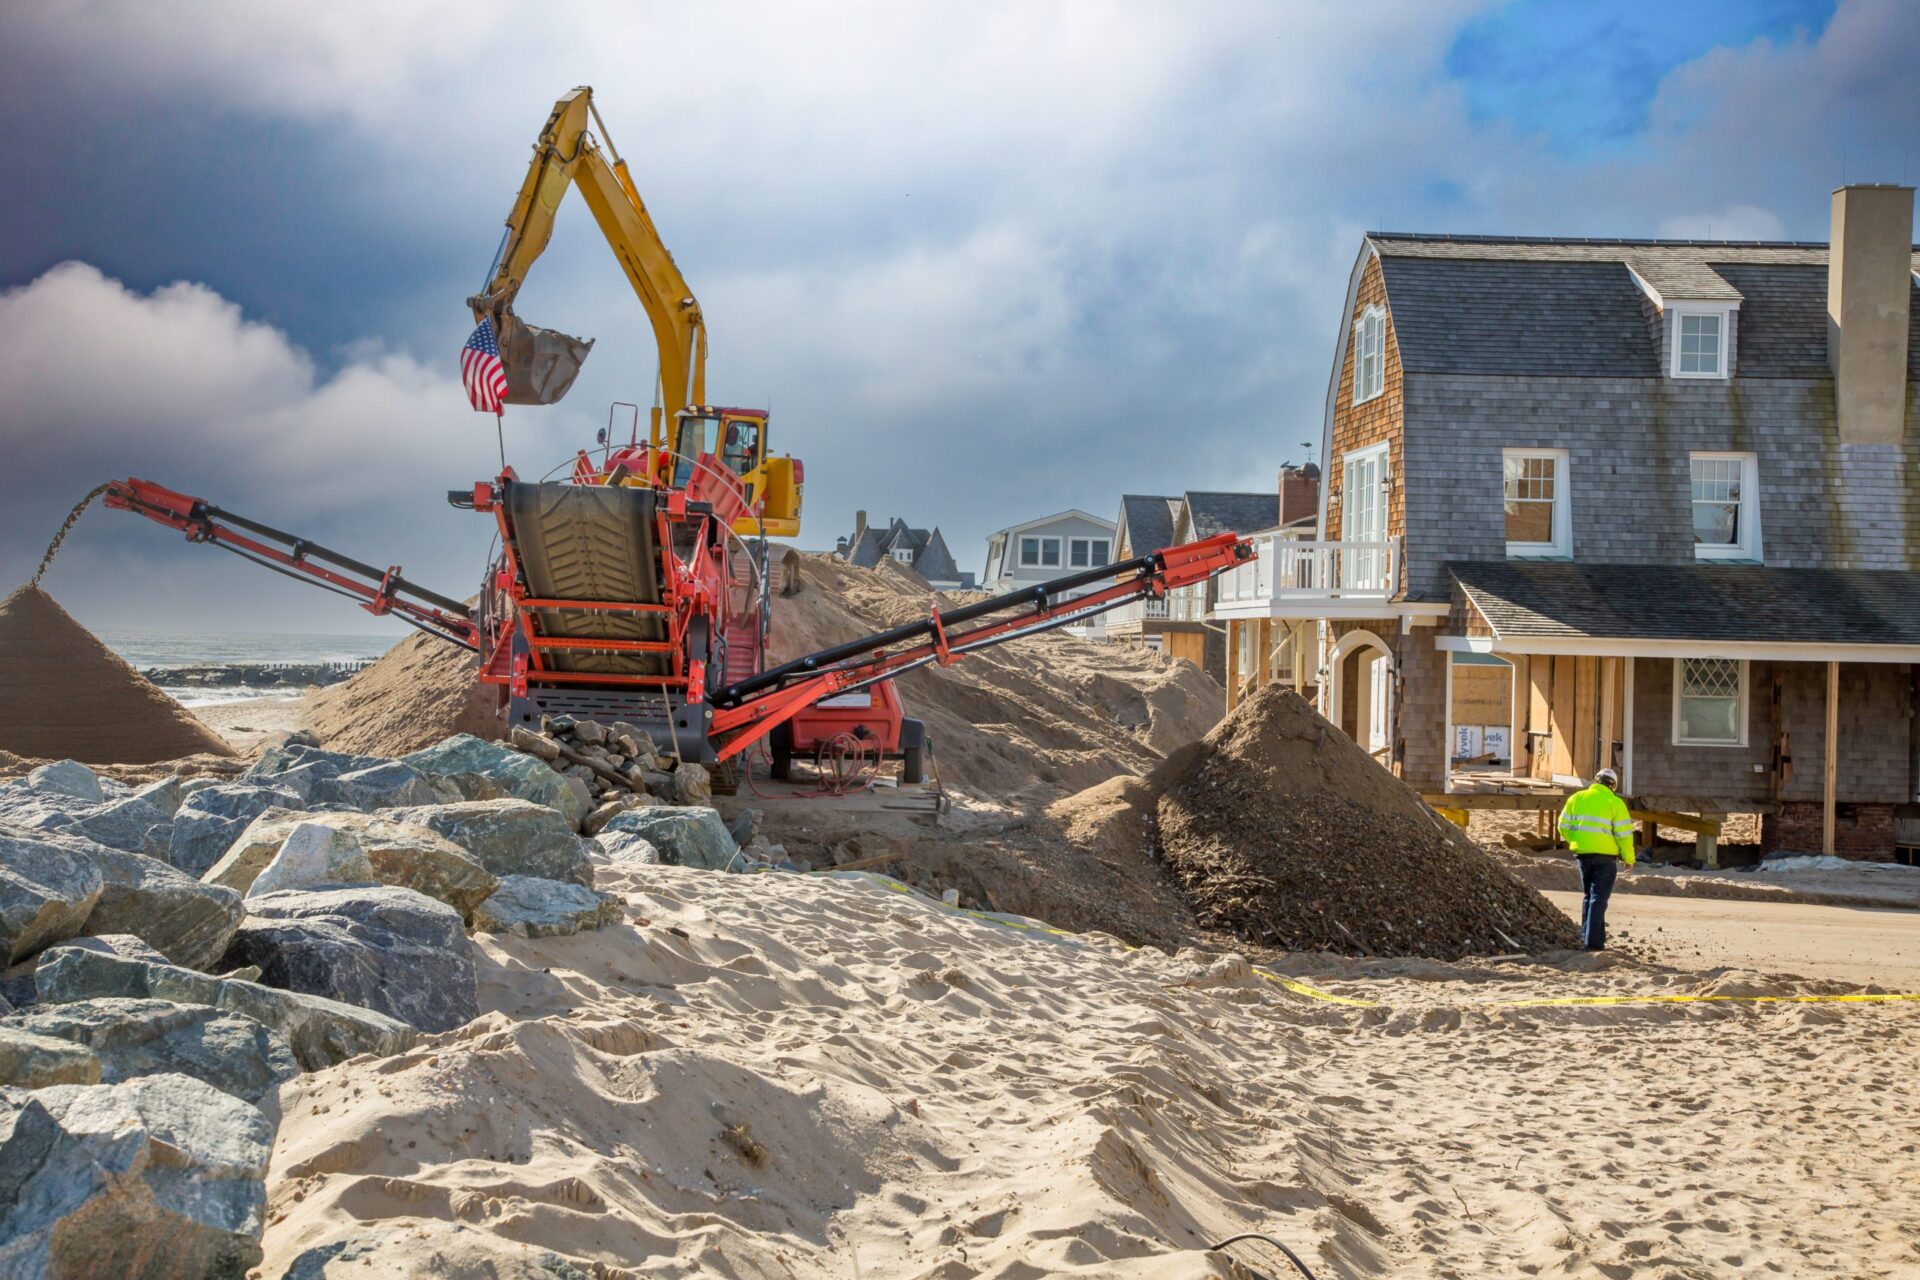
1597, 874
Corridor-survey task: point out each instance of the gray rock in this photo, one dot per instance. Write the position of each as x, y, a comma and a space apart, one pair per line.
626, 846
29, 1061
211, 819
148, 1179
392, 950
135, 1038
24, 808
509, 837
320, 1031
684, 837
614, 805
314, 854
188, 922
283, 759
389, 785
141, 823
67, 778
404, 854
124, 945
536, 908
533, 743
472, 763
48, 886
589, 732
692, 784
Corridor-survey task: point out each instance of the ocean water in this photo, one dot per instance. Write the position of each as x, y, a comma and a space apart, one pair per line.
144, 649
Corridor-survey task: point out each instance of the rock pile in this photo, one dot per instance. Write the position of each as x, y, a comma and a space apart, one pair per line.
616, 763
1284, 832
171, 954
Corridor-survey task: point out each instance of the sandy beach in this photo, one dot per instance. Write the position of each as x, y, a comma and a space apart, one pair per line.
807, 1076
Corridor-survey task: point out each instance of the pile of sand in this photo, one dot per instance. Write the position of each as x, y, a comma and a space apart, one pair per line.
1285, 833
420, 691
1034, 719
1030, 720
63, 694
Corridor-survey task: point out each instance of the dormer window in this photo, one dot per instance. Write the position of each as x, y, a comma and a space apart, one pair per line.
1700, 342
1369, 354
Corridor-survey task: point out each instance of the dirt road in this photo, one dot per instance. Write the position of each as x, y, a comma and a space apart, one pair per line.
1851, 944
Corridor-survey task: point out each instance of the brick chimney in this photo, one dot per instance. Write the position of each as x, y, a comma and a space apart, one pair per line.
859, 526
1869, 290
1299, 492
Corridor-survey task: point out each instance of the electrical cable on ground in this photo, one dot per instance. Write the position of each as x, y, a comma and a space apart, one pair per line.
1292, 1257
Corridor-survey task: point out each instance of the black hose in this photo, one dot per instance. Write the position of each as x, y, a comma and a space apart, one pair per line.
1292, 1257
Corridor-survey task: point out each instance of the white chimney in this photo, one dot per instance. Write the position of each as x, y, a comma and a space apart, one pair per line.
1869, 294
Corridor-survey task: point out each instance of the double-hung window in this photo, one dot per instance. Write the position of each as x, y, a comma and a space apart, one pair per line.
1700, 342
1036, 552
1087, 553
1369, 354
1709, 702
1726, 506
1533, 490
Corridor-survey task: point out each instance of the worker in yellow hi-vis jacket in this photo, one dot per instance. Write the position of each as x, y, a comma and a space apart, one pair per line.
1596, 826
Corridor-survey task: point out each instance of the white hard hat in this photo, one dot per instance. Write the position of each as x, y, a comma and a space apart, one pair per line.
1607, 776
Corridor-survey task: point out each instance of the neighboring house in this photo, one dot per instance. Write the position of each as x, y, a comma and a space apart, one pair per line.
1261, 650
1065, 542
1178, 625
1674, 487
924, 551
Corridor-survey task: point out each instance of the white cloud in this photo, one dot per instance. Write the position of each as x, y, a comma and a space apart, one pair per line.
1735, 222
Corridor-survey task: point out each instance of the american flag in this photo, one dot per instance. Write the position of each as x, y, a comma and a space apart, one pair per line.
480, 368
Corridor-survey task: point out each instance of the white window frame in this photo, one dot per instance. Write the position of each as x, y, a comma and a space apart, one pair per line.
1743, 701
904, 555
1749, 546
1040, 542
1370, 328
1560, 547
1677, 313
1075, 544
1366, 569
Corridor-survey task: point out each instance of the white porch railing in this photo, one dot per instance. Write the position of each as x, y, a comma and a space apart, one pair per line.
1297, 578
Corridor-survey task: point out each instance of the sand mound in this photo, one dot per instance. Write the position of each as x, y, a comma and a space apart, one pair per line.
420, 691
1036, 718
1032, 719
1286, 833
64, 694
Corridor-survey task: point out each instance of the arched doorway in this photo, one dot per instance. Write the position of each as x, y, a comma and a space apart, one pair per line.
1360, 691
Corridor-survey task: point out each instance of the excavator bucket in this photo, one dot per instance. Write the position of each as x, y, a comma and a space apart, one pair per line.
541, 364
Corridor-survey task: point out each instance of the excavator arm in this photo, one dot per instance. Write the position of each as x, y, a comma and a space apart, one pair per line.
540, 366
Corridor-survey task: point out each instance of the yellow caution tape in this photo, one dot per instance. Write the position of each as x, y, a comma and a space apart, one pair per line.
1307, 989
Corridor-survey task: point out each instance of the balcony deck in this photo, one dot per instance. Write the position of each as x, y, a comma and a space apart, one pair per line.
1301, 578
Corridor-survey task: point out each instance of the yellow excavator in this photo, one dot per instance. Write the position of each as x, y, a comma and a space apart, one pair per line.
541, 364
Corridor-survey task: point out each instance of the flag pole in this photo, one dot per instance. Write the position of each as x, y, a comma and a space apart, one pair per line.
500, 434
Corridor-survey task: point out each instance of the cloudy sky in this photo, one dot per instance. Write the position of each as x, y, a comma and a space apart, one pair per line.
983, 260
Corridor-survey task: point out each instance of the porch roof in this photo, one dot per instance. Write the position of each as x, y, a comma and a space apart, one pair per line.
1740, 606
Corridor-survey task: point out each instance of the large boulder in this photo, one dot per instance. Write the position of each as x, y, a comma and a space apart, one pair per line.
483, 770
509, 837
48, 887
684, 837
536, 908
388, 949
309, 772
320, 1031
403, 854
388, 785
68, 778
148, 1179
140, 823
135, 1038
188, 922
626, 846
211, 818
314, 854
28, 1061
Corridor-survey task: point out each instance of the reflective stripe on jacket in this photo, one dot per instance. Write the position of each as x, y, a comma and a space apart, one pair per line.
1596, 821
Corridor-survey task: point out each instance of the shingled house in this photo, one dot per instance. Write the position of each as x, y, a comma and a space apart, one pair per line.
922, 550
1179, 625
1673, 488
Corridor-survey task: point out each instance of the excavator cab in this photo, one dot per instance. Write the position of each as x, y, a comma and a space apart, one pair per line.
737, 438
